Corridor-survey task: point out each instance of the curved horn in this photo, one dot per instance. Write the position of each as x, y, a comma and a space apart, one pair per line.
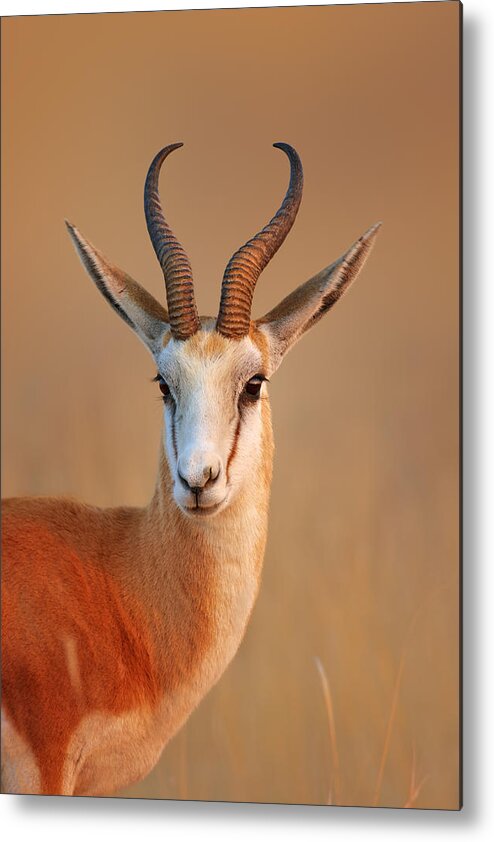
247, 263
182, 311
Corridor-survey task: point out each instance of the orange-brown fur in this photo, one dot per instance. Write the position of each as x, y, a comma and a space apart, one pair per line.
106, 611
55, 674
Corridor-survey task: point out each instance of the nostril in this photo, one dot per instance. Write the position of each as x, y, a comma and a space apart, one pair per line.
183, 480
212, 475
194, 489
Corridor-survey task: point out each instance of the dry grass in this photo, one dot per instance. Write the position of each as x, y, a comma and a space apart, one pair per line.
334, 793
334, 796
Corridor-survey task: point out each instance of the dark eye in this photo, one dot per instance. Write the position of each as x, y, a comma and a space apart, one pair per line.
253, 386
164, 389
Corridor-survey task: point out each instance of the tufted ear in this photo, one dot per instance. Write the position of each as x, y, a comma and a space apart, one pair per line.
286, 323
131, 301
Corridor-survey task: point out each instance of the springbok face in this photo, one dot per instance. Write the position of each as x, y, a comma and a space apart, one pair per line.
213, 388
212, 372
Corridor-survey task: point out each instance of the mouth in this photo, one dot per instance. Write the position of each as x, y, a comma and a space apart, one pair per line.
199, 511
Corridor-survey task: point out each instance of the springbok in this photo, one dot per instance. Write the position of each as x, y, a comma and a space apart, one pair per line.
116, 622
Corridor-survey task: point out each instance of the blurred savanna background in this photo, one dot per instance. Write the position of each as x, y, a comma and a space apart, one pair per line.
346, 687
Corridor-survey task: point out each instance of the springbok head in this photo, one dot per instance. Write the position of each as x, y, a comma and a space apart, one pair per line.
212, 372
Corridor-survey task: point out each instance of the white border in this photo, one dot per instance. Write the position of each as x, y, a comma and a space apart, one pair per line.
56, 819
40, 7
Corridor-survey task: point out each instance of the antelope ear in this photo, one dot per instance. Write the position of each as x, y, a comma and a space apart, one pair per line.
131, 301
286, 323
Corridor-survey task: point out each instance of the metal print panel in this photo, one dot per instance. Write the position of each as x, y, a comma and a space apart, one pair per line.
186, 612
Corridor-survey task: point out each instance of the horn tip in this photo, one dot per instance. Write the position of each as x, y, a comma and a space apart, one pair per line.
284, 146
291, 154
162, 154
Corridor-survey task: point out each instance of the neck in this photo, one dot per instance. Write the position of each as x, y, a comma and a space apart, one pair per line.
201, 577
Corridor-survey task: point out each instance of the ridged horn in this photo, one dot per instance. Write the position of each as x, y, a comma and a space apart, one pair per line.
182, 310
244, 268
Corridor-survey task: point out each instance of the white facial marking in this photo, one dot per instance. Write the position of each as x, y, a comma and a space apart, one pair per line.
213, 427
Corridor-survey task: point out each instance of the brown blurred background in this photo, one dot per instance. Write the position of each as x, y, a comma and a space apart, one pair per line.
363, 557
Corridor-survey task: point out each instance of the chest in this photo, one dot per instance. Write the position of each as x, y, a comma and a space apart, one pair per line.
109, 752
197, 618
